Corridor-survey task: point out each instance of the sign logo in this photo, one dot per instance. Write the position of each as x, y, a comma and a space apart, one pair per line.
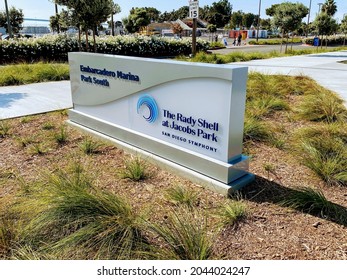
147, 106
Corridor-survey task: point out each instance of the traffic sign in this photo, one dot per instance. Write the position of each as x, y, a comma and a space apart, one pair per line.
194, 9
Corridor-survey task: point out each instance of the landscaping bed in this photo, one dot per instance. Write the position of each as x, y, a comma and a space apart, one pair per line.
65, 195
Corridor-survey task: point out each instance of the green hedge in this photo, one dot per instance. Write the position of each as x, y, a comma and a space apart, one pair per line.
274, 41
332, 41
56, 47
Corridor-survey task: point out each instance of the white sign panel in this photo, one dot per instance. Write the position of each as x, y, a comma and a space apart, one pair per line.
187, 112
193, 9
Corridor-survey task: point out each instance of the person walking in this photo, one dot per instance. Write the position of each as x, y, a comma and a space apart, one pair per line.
239, 38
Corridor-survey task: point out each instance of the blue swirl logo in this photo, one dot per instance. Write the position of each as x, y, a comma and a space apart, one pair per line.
149, 102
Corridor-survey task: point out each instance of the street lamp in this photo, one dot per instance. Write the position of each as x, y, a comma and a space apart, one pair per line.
320, 6
308, 18
8, 20
258, 25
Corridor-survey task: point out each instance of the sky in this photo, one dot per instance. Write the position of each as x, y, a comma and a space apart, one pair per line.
43, 9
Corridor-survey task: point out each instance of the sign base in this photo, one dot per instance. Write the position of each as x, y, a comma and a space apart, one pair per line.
215, 175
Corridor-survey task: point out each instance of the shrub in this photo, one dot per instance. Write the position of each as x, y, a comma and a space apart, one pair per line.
274, 41
56, 47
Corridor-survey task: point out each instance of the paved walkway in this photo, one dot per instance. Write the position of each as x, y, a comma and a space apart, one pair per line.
17, 101
324, 68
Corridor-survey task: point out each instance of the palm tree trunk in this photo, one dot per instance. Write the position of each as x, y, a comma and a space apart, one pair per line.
94, 39
87, 43
112, 22
79, 38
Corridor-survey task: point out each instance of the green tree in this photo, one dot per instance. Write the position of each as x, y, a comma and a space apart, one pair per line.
287, 16
325, 25
89, 13
212, 28
343, 28
65, 20
181, 13
219, 13
265, 23
153, 13
54, 23
16, 19
329, 7
248, 20
137, 19
236, 19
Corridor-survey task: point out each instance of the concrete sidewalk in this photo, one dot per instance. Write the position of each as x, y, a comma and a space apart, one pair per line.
325, 68
17, 101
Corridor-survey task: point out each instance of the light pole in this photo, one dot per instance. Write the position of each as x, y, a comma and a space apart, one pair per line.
9, 28
258, 25
308, 18
57, 16
320, 6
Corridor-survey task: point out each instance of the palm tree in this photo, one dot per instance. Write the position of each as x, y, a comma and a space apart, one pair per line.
329, 7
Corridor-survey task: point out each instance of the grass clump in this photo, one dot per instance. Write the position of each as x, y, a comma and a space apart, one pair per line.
61, 136
89, 146
266, 106
37, 148
5, 128
231, 213
179, 195
256, 130
68, 215
25, 141
184, 236
20, 74
134, 169
48, 126
315, 203
323, 106
323, 148
8, 235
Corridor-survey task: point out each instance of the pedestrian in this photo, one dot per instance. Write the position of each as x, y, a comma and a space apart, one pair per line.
239, 38
234, 43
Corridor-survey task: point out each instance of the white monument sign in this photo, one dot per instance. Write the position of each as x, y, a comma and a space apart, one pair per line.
189, 113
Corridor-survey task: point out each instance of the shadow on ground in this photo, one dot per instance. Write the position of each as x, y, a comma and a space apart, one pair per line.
305, 200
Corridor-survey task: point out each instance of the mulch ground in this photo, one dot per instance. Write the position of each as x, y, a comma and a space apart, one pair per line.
270, 231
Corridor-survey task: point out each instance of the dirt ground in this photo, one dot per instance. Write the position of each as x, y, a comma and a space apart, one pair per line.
269, 232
